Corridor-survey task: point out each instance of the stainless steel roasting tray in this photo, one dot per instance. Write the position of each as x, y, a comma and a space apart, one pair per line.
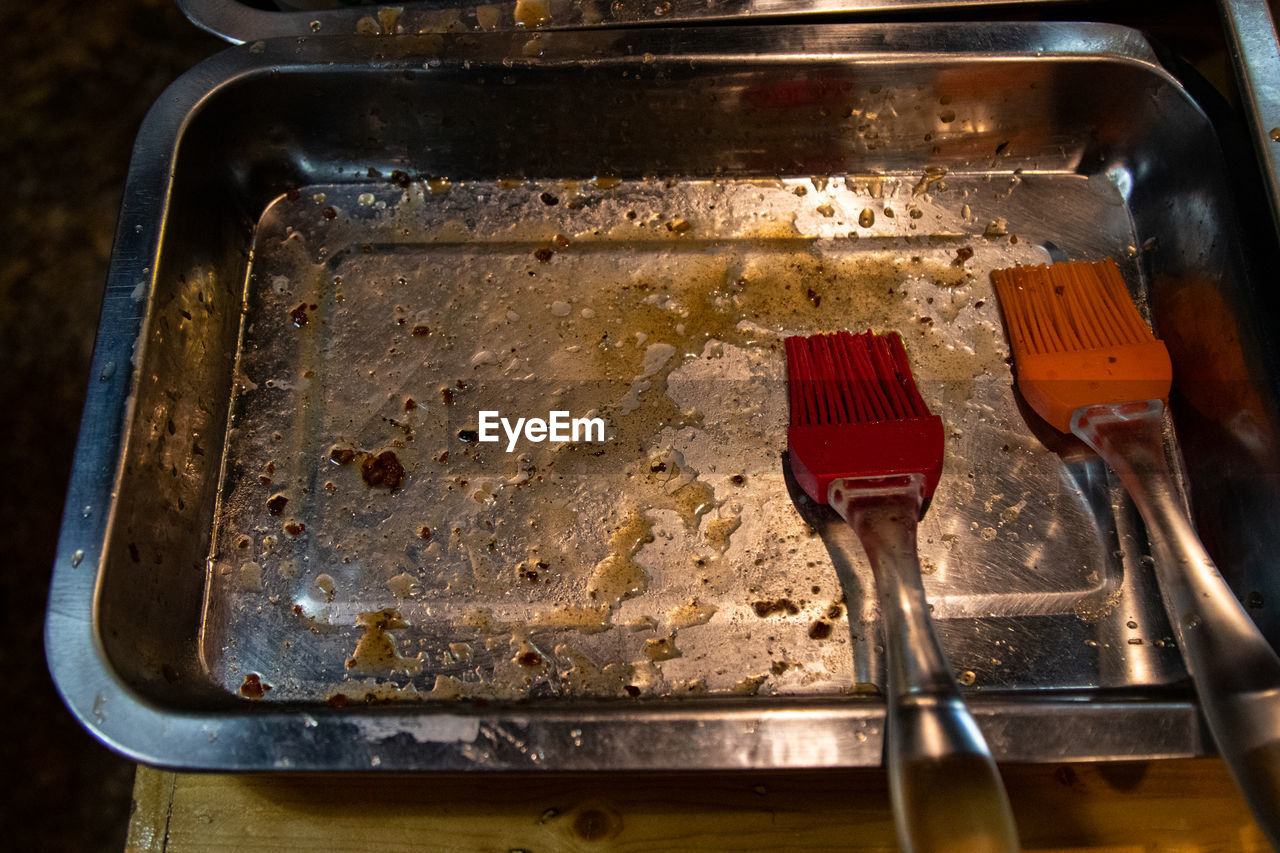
284, 546
240, 21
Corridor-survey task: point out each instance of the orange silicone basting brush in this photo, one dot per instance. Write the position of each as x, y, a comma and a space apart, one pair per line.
862, 440
1088, 364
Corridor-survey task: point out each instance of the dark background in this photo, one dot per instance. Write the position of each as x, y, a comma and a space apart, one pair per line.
78, 79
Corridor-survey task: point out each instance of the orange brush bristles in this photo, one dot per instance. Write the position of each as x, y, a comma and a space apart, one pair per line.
1078, 340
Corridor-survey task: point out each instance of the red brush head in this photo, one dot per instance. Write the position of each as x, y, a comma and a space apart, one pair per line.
856, 412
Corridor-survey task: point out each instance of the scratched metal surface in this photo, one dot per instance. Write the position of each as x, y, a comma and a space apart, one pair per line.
384, 318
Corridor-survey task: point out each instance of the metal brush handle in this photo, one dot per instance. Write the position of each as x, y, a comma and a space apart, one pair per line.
943, 783
1236, 672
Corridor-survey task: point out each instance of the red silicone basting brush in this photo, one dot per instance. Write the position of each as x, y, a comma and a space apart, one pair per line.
862, 440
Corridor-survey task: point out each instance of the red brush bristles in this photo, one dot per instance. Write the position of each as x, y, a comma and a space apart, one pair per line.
849, 379
856, 412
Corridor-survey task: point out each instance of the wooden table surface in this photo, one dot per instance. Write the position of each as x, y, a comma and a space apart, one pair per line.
1182, 805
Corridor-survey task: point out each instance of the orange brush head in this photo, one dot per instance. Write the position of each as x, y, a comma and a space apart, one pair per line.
1078, 340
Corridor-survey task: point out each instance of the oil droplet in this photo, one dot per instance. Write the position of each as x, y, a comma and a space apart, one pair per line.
690, 614
718, 531
531, 13
618, 576
967, 677
661, 648
376, 650
866, 218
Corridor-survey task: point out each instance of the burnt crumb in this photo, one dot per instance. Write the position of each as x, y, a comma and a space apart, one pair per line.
779, 666
963, 254
543, 255
133, 553
297, 610
820, 630
400, 178
337, 700
342, 456
329, 213
169, 674
979, 303
632, 691
814, 297
253, 687
425, 533
530, 659
383, 470
679, 226
835, 611
468, 435
295, 528
373, 173
293, 194
764, 609
410, 404
548, 199
738, 479
421, 331
446, 394
299, 315
1002, 147
658, 468
530, 575
276, 504
561, 241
